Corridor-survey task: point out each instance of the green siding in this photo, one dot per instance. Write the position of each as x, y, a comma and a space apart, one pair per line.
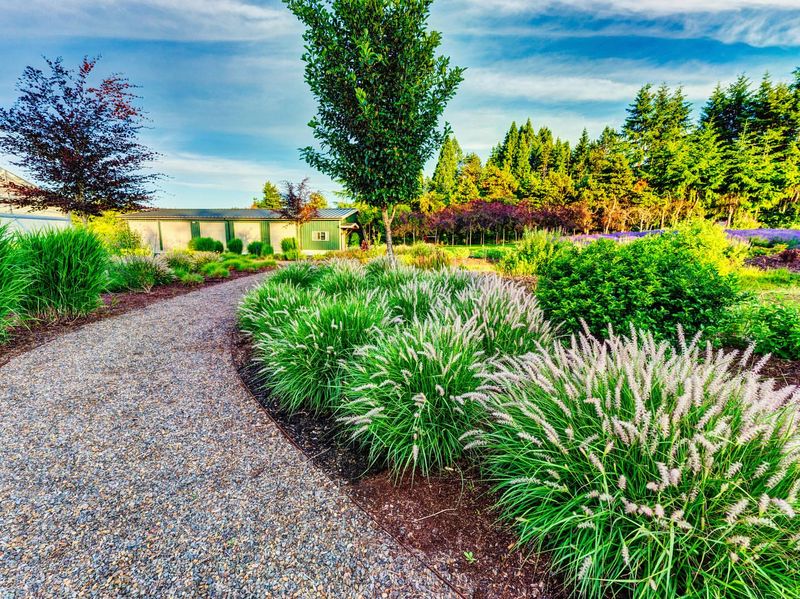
160, 238
229, 234
265, 232
331, 227
195, 229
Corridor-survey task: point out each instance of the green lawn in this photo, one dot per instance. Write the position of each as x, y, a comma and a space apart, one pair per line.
772, 285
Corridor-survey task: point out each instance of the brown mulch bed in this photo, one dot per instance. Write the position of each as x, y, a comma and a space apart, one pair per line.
25, 338
447, 521
786, 259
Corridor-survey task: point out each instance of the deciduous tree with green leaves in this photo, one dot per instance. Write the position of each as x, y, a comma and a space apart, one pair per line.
381, 89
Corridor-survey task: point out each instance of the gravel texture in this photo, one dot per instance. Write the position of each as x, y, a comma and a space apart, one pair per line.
133, 462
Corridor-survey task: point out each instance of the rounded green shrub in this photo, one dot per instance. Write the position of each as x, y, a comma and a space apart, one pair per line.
67, 270
218, 247
405, 399
267, 250
305, 365
215, 270
288, 244
653, 283
254, 248
648, 471
139, 273
189, 278
235, 246
204, 244
532, 254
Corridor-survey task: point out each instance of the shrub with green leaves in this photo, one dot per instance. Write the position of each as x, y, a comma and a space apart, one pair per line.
138, 273
533, 253
215, 270
653, 283
773, 328
188, 278
267, 250
254, 248
114, 232
405, 399
426, 256
511, 321
306, 364
709, 243
241, 264
235, 245
13, 281
66, 269
648, 471
288, 244
302, 274
189, 260
342, 277
205, 244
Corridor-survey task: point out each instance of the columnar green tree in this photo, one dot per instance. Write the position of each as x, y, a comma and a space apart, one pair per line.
381, 89
270, 197
446, 172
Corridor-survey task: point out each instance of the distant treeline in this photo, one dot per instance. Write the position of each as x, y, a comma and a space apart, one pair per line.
740, 163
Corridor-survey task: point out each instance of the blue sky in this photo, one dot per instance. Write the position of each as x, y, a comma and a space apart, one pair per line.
222, 80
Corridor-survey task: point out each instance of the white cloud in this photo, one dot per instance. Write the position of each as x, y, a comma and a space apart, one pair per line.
647, 7
227, 181
184, 20
554, 79
759, 23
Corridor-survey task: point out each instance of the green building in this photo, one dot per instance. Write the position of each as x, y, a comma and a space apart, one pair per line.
166, 229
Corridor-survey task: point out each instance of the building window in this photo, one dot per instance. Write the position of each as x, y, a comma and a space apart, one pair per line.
319, 236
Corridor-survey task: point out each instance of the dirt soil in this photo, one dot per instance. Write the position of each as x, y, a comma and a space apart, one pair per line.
448, 521
26, 337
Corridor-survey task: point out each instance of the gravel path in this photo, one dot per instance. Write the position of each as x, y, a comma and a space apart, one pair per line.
133, 462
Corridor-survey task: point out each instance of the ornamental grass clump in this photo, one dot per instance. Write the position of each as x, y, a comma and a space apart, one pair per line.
648, 471
264, 310
452, 280
299, 274
13, 281
305, 364
380, 274
138, 273
509, 316
405, 396
414, 300
67, 272
342, 276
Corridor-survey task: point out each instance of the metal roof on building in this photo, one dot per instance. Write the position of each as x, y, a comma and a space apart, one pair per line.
230, 214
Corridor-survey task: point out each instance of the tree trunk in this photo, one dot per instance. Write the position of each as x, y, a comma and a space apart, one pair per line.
387, 223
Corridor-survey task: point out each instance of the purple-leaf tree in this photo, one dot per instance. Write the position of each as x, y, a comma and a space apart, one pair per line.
78, 141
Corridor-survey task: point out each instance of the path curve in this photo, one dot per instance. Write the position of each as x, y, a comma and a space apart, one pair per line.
133, 462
